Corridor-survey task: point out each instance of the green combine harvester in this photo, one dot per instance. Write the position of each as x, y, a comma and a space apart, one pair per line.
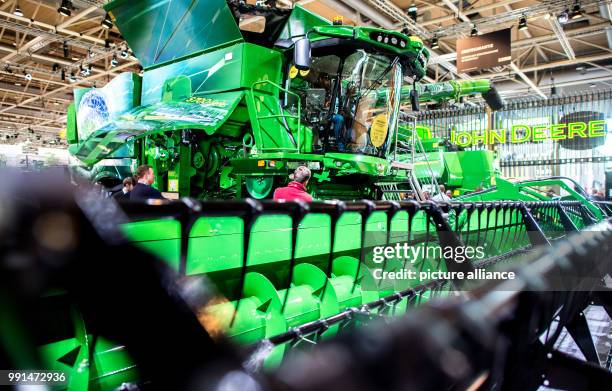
233, 98
230, 114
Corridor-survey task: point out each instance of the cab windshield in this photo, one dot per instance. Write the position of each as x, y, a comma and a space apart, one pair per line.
351, 103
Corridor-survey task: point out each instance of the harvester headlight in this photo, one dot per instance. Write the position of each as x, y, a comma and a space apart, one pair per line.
394, 40
380, 168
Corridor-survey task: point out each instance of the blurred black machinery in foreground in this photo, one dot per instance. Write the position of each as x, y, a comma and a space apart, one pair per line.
498, 337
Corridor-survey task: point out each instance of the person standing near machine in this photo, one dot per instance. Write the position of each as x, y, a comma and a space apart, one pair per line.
124, 193
143, 189
296, 189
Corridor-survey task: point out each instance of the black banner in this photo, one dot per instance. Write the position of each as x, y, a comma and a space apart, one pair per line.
484, 51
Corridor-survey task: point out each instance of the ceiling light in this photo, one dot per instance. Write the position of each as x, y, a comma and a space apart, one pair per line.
27, 75
18, 11
65, 7
86, 71
107, 23
522, 23
563, 17
412, 12
592, 85
553, 88
72, 77
124, 53
114, 62
576, 12
474, 31
434, 43
90, 53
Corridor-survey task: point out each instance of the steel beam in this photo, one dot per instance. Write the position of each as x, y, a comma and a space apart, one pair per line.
561, 37
527, 80
556, 64
456, 11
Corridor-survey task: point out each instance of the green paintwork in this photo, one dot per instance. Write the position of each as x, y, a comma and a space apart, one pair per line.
208, 114
109, 366
163, 31
71, 125
451, 89
525, 191
188, 62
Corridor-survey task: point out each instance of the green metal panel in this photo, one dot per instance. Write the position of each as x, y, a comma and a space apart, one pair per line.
111, 367
301, 22
168, 30
97, 107
207, 113
477, 168
453, 175
71, 125
159, 237
230, 68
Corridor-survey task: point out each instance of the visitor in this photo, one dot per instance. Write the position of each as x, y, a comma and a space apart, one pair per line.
596, 195
296, 189
143, 190
124, 193
449, 194
408, 196
441, 196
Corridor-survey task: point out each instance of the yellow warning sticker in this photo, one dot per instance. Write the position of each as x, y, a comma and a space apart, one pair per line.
293, 72
304, 72
379, 129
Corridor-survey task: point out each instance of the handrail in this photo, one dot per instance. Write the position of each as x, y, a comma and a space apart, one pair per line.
282, 115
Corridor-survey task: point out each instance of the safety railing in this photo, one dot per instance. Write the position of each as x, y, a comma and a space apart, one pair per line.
282, 116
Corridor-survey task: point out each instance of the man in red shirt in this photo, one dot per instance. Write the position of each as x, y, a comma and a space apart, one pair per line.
295, 190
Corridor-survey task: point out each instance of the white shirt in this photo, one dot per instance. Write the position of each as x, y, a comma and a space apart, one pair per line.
441, 197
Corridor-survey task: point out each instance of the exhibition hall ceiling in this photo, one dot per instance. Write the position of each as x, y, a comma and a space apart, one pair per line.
46, 53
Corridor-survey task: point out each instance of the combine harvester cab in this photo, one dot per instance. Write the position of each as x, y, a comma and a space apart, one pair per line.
228, 108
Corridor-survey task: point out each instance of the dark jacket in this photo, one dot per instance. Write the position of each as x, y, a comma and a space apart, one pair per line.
145, 192
293, 191
120, 195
